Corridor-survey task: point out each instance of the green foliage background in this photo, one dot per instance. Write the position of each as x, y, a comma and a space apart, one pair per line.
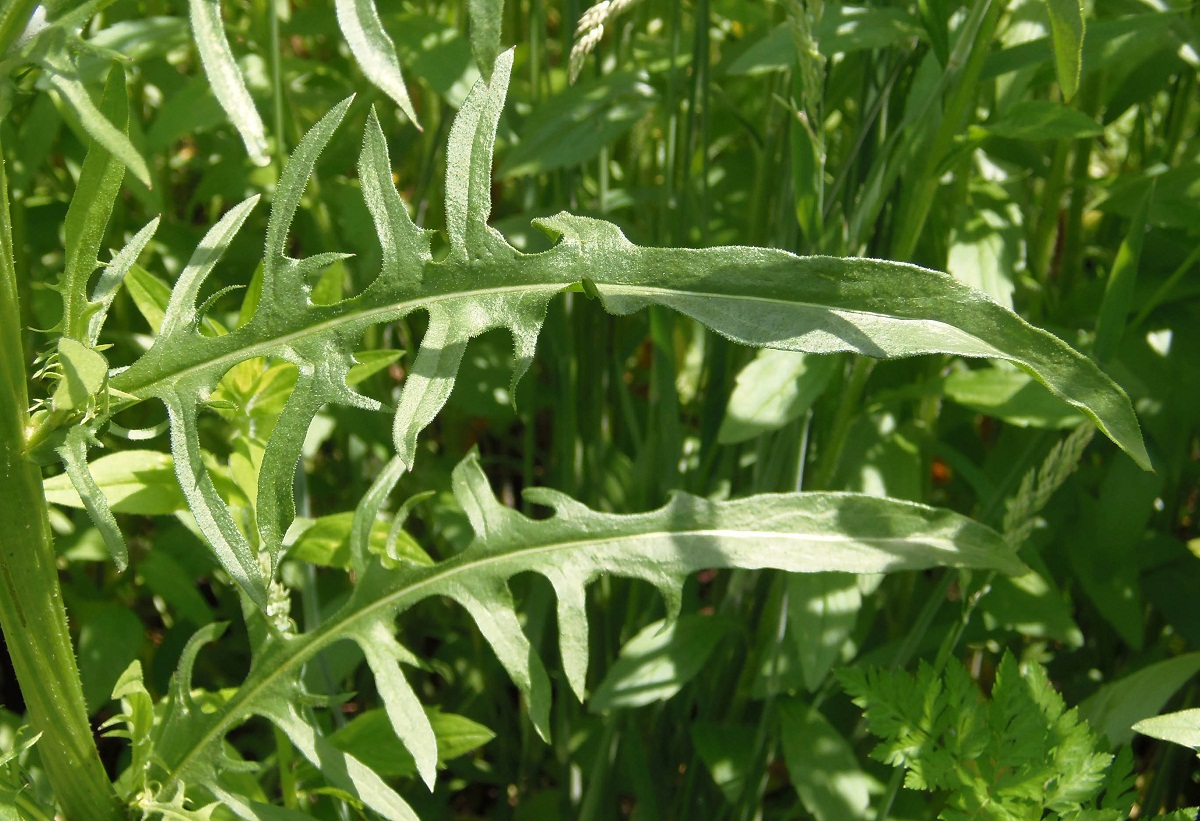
1043, 153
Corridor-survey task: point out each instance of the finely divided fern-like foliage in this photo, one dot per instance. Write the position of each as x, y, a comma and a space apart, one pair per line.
755, 296
1017, 755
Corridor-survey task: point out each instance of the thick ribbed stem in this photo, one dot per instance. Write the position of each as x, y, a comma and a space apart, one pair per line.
31, 608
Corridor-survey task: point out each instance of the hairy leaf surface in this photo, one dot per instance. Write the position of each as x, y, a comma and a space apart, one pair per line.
226, 78
793, 532
755, 296
374, 50
87, 217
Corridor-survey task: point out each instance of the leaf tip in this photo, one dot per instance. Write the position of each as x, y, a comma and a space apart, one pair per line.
407, 113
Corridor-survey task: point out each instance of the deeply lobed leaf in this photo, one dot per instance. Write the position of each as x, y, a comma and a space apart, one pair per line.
794, 532
756, 296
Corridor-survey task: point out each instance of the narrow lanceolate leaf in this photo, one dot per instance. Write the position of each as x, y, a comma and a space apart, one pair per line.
226, 79
73, 453
1182, 727
822, 764
374, 51
111, 279
795, 532
775, 388
486, 16
63, 78
656, 663
760, 297
87, 217
1066, 30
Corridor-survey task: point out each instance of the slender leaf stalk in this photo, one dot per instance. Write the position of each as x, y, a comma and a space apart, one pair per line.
31, 608
755, 785
285, 757
1178, 116
1041, 247
276, 84
1164, 290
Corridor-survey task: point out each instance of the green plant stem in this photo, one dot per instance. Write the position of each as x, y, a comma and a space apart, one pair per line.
889, 796
276, 85
1165, 289
602, 766
1041, 247
287, 777
32, 615
1071, 258
918, 629
1178, 116
28, 810
919, 200
755, 785
536, 40
847, 409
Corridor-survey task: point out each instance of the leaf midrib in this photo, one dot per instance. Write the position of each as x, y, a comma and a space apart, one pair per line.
368, 316
396, 310
332, 631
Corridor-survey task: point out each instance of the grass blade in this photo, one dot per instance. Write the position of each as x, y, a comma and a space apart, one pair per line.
1118, 291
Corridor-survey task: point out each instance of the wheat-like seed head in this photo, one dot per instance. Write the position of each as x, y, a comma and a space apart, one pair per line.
590, 31
1038, 485
803, 17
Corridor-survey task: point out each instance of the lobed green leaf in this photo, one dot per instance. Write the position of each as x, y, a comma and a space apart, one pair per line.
755, 296
794, 532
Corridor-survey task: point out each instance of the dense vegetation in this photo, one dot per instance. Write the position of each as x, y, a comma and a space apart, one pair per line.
521, 410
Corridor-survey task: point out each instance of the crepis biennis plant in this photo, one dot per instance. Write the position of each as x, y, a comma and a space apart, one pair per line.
755, 296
